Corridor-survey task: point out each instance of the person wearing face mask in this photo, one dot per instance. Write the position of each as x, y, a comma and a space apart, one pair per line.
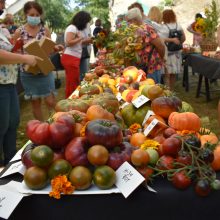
9, 104
36, 87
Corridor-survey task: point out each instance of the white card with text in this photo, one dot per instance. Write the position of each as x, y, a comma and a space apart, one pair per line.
141, 100
150, 127
17, 167
119, 97
8, 202
128, 179
149, 113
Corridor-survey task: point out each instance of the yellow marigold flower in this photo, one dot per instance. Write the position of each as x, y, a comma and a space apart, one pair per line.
60, 184
134, 128
102, 34
150, 144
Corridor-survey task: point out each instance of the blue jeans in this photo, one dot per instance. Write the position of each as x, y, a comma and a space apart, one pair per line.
84, 68
156, 76
9, 121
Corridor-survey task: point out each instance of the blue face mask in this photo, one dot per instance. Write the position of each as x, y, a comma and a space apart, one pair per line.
33, 20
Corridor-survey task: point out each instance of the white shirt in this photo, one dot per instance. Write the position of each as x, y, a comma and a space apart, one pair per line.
75, 50
86, 33
163, 30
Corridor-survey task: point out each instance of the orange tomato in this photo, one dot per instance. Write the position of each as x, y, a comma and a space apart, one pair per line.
140, 157
137, 139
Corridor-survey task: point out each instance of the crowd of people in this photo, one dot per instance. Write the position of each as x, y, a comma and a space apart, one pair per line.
157, 59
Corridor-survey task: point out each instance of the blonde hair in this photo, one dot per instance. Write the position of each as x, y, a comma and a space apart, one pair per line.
155, 14
134, 13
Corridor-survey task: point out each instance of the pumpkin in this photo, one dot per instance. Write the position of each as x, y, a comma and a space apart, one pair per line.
216, 162
71, 104
184, 121
97, 112
211, 138
163, 106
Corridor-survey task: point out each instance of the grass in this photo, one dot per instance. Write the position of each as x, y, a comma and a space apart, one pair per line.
206, 110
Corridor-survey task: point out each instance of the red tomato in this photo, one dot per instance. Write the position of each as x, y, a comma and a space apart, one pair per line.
171, 146
56, 134
165, 163
181, 180
202, 187
169, 132
146, 172
184, 158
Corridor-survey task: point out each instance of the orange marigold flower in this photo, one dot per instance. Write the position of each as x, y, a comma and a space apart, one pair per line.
134, 128
60, 184
83, 130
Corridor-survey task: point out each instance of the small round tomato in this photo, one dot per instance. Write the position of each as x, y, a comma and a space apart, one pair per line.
140, 157
202, 187
165, 163
181, 180
184, 158
171, 146
146, 172
153, 154
169, 132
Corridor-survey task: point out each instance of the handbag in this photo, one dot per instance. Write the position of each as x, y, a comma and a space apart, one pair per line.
85, 53
57, 81
174, 33
56, 60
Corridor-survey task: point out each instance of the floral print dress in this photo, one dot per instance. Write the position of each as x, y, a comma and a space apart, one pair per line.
9, 72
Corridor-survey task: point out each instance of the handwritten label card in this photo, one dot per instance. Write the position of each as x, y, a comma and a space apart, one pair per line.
150, 127
141, 100
8, 202
128, 179
149, 113
17, 167
119, 97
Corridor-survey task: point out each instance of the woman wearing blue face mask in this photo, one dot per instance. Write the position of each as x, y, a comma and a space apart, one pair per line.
37, 86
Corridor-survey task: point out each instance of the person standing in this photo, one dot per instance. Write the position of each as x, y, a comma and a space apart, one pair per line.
9, 104
153, 52
39, 86
74, 39
86, 51
197, 37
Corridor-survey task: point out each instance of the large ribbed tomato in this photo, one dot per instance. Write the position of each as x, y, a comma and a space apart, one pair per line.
55, 134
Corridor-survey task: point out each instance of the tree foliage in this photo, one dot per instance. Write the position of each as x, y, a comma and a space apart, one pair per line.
57, 13
97, 8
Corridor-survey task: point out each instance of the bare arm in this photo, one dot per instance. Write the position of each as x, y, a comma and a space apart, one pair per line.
13, 58
160, 47
72, 39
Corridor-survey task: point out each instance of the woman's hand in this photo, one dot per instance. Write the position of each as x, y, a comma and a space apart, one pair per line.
59, 47
175, 40
31, 59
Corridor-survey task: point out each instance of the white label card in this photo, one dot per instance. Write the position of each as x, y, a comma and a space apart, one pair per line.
150, 127
119, 97
149, 113
128, 179
139, 77
17, 167
125, 104
141, 100
8, 202
75, 93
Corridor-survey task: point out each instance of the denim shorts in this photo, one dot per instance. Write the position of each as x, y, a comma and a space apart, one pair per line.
156, 76
37, 86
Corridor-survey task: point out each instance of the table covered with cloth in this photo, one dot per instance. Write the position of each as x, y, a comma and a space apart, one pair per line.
207, 68
168, 203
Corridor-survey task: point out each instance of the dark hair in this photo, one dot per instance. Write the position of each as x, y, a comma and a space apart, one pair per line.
169, 16
32, 4
198, 15
136, 5
98, 22
81, 19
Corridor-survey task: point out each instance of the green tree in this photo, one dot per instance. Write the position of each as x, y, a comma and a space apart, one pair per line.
57, 13
97, 8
